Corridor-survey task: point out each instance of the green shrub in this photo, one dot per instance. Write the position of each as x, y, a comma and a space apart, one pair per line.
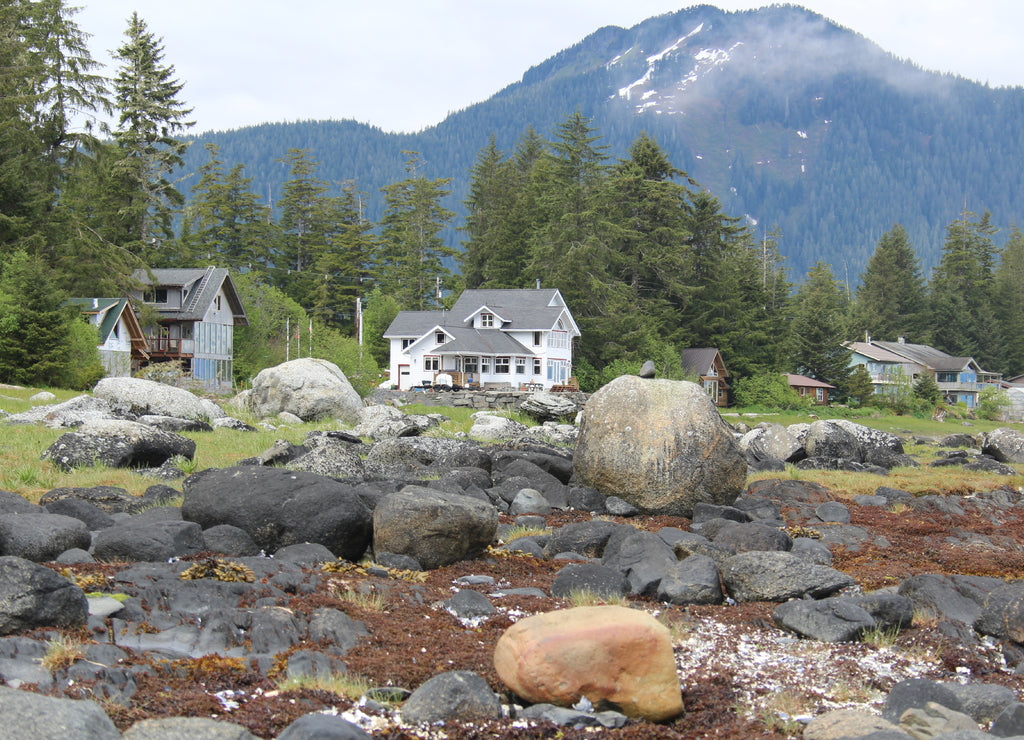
992, 403
769, 390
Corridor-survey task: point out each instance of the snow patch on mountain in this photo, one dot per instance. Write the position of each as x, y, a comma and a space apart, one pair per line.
652, 99
652, 61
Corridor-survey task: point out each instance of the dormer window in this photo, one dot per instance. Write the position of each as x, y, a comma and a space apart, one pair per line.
156, 295
440, 337
487, 320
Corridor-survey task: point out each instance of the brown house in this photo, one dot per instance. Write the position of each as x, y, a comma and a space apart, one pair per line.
810, 387
707, 364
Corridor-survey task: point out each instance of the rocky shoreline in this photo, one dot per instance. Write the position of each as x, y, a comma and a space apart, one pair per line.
791, 611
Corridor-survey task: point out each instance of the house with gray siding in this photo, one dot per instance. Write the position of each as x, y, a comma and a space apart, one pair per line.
198, 312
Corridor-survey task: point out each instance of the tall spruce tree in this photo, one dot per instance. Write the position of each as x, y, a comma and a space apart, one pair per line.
225, 221
819, 328
489, 256
1009, 302
411, 257
961, 294
151, 117
891, 297
343, 269
308, 221
47, 85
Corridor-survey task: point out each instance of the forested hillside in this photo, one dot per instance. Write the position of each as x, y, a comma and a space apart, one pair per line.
793, 123
640, 204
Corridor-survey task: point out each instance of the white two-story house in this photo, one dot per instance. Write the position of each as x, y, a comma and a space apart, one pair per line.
515, 338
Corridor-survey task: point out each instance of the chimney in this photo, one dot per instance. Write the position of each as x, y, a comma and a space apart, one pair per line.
867, 338
95, 302
901, 340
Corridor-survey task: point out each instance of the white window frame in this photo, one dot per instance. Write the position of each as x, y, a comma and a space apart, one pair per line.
502, 365
432, 362
486, 320
520, 366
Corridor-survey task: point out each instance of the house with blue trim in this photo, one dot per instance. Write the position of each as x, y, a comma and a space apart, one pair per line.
960, 379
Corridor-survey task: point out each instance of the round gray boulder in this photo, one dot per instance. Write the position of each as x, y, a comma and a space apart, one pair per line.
308, 387
661, 445
138, 397
279, 507
33, 596
434, 527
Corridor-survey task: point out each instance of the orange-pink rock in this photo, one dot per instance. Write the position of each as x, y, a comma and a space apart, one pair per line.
605, 653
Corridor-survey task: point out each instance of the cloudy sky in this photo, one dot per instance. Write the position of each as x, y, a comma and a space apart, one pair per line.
403, 65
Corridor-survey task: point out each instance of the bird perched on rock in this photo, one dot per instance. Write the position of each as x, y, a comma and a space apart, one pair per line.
647, 371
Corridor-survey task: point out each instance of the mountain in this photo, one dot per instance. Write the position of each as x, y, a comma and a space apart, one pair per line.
790, 120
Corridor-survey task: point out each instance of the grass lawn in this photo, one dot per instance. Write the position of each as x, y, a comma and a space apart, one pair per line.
23, 472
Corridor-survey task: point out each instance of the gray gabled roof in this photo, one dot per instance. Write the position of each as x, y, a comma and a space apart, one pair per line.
926, 355
202, 284
525, 309
480, 342
413, 323
521, 309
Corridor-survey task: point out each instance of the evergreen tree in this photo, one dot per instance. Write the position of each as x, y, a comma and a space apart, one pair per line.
819, 328
962, 293
1009, 302
46, 82
35, 326
488, 208
411, 257
150, 118
891, 298
927, 389
649, 229
226, 223
571, 249
860, 386
343, 268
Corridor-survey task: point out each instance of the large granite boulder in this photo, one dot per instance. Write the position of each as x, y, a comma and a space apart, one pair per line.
1005, 445
826, 438
280, 507
779, 576
138, 397
769, 441
661, 445
117, 444
69, 414
436, 528
546, 406
604, 653
308, 387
